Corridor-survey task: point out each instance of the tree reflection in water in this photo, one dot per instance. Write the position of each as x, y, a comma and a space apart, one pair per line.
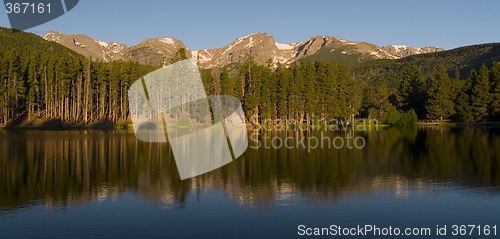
55, 168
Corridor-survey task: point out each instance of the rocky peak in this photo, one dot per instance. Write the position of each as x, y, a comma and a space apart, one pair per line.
404, 51
261, 47
89, 47
156, 51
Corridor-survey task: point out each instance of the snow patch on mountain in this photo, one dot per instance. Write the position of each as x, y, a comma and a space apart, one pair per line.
51, 36
202, 56
250, 44
247, 36
284, 46
400, 47
167, 40
116, 48
103, 44
194, 54
232, 45
80, 44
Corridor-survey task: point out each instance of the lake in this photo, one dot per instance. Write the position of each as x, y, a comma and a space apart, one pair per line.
107, 184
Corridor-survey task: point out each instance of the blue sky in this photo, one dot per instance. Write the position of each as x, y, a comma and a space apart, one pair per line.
209, 24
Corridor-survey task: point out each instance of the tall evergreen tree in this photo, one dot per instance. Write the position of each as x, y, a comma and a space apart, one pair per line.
440, 103
480, 95
412, 91
283, 76
495, 91
463, 107
310, 95
228, 84
251, 99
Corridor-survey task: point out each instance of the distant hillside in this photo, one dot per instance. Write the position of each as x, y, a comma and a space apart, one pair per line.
348, 52
464, 59
25, 43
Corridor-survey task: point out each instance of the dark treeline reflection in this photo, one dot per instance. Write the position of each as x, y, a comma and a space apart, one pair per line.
55, 168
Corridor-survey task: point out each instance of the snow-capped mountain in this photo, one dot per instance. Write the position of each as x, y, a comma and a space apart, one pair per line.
150, 52
263, 49
260, 47
89, 47
156, 51
404, 51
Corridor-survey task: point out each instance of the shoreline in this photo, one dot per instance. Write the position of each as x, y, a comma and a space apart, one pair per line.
125, 126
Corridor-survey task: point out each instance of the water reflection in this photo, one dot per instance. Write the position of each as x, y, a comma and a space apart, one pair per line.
55, 168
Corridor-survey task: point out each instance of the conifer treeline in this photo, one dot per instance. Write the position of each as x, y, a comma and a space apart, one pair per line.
311, 91
64, 88
301, 93
72, 89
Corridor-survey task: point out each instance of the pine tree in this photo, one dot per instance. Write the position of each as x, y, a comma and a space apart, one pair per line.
295, 93
412, 92
330, 91
310, 99
463, 107
440, 103
3, 90
321, 89
33, 79
180, 54
267, 93
228, 84
480, 95
14, 81
342, 93
251, 99
495, 91
376, 102
284, 76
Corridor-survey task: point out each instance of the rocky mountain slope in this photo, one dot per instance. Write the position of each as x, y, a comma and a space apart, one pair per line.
150, 52
260, 47
89, 47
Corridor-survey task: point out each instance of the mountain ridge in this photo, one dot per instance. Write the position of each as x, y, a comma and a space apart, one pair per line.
261, 47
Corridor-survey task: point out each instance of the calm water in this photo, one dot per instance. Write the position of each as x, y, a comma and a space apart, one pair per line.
106, 184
